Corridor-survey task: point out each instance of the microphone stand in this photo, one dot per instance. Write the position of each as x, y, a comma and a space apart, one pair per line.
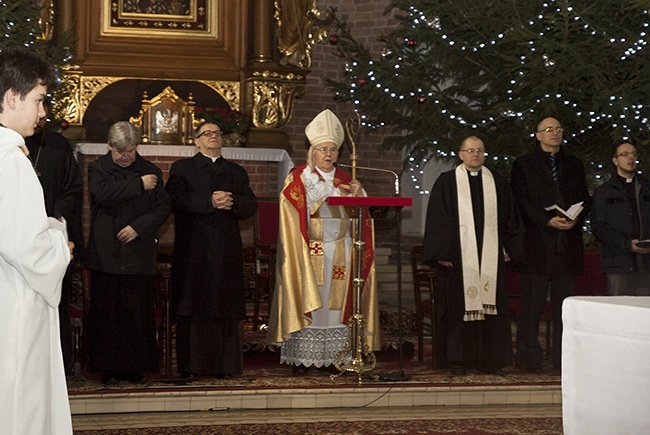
399, 376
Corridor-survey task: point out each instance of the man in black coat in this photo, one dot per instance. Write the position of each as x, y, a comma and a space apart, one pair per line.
620, 217
209, 195
129, 204
472, 229
542, 178
53, 159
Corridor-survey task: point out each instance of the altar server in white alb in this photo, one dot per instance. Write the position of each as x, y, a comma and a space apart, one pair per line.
34, 255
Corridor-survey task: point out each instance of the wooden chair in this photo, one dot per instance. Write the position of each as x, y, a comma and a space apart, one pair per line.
423, 285
79, 320
162, 307
266, 224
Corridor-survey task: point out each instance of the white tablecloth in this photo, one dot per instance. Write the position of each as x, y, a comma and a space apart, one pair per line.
232, 153
606, 365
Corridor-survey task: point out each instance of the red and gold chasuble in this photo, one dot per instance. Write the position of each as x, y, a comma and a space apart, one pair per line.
300, 264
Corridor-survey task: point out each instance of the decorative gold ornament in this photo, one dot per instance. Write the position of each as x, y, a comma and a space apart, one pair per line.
273, 98
300, 26
83, 89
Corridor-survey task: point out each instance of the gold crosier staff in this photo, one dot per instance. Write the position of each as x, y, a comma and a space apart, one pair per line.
362, 358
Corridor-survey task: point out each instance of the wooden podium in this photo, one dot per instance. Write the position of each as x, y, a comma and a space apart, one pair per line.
362, 359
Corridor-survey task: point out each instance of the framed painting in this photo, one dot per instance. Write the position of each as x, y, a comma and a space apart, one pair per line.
166, 18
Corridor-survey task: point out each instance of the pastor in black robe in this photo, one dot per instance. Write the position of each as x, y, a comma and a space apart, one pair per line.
484, 344
207, 266
53, 159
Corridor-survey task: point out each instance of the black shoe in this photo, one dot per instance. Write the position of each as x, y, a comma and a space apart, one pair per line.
222, 376
534, 369
300, 370
331, 369
458, 370
491, 370
136, 378
109, 379
188, 376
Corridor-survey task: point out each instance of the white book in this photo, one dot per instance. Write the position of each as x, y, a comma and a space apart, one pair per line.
571, 213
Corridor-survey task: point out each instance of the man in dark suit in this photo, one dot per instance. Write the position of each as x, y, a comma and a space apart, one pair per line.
542, 178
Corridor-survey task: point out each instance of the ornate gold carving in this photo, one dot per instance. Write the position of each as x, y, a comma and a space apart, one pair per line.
273, 98
166, 118
68, 108
300, 26
46, 20
83, 89
229, 91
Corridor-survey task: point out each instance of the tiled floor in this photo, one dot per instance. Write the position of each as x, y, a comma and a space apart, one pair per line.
171, 419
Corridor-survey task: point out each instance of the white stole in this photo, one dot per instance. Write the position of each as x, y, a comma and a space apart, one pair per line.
479, 281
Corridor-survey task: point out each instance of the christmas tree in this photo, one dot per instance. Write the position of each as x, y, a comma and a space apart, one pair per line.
30, 23
453, 68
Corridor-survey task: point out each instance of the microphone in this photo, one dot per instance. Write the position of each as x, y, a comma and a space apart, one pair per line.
366, 168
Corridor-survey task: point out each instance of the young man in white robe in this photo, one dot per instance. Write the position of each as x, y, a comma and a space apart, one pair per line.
34, 254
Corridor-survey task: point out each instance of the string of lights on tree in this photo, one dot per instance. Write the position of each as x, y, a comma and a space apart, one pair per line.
452, 68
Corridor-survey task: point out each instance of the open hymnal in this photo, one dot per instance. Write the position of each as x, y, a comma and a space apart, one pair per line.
571, 213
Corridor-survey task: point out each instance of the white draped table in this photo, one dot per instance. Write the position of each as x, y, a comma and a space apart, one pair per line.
606, 365
269, 155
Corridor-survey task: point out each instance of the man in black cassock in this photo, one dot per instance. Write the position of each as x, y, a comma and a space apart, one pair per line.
472, 229
53, 159
209, 196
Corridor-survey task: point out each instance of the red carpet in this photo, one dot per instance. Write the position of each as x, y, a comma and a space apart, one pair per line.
519, 426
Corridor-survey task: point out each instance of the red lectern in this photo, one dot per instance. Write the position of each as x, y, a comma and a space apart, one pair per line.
357, 346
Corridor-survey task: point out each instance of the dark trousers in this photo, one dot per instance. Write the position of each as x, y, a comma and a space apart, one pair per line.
534, 292
65, 329
122, 328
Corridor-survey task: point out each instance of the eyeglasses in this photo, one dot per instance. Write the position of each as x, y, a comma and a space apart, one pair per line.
328, 150
628, 154
208, 133
551, 129
474, 150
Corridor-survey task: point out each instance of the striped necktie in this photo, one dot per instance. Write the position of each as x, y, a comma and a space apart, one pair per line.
554, 167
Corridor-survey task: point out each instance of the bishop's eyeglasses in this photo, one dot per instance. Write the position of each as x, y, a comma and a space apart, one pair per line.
332, 151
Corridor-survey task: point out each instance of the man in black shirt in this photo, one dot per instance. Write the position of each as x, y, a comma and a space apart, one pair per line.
619, 219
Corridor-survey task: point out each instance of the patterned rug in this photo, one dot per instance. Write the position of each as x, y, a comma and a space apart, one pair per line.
514, 426
262, 369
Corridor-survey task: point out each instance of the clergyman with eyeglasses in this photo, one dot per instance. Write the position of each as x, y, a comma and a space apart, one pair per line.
620, 220
472, 229
313, 295
545, 177
210, 195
